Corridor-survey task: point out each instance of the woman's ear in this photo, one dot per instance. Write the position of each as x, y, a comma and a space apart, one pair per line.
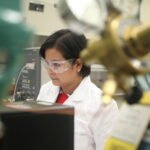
79, 64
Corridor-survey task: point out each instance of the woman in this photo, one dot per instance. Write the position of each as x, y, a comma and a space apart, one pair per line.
71, 85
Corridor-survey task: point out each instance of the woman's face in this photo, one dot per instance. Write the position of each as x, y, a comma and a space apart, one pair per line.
61, 72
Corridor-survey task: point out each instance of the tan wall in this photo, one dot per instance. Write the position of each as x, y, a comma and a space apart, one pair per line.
45, 22
145, 11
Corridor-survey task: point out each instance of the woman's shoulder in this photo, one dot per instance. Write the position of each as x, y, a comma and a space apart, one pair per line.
92, 88
95, 95
89, 83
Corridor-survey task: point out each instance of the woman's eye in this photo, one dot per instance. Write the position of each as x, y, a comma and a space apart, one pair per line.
56, 65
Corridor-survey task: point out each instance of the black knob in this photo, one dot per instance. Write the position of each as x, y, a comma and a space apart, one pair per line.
134, 95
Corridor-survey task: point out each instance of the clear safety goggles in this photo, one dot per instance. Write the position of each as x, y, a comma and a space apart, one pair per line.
59, 66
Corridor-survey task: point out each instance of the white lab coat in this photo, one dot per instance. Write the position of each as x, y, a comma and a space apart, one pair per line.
93, 121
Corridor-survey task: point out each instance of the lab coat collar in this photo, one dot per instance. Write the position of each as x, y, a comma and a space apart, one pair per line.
77, 95
80, 94
53, 93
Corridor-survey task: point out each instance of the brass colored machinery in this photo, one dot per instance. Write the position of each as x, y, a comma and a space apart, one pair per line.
121, 50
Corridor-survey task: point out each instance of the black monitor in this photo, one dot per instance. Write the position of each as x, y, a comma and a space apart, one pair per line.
33, 126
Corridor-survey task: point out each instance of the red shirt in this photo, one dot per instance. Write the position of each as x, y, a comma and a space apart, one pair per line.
61, 98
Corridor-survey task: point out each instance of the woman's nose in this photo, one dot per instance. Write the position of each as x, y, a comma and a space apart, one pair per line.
51, 72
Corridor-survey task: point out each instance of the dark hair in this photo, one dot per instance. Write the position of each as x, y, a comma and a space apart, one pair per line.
69, 44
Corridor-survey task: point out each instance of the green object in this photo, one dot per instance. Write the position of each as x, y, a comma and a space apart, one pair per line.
14, 36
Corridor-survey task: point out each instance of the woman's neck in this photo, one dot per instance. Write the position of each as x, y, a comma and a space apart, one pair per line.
69, 89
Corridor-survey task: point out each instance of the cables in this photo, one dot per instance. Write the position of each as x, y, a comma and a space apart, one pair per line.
26, 66
16, 82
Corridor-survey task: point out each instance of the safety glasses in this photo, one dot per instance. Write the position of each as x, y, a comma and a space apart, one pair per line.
58, 66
